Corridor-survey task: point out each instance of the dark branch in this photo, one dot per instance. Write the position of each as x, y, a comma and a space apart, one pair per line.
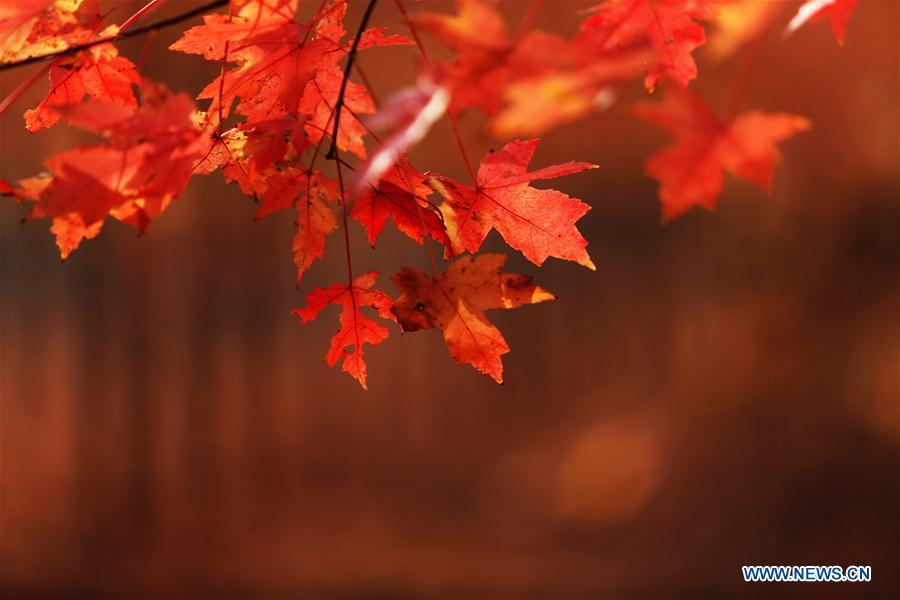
127, 34
351, 56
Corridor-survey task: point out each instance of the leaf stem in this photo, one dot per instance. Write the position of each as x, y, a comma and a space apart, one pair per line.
743, 78
346, 227
452, 118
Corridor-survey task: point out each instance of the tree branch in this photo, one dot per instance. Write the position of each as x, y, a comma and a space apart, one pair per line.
351, 56
124, 35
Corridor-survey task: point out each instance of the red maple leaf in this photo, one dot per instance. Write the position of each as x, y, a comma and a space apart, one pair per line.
668, 27
284, 67
315, 218
539, 223
455, 302
253, 152
401, 193
98, 72
263, 159
7, 189
149, 157
318, 105
279, 188
37, 28
691, 171
355, 328
275, 58
479, 71
486, 59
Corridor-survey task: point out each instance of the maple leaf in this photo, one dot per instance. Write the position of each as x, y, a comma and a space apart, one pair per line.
283, 67
355, 328
539, 103
668, 27
273, 61
263, 159
539, 223
17, 19
691, 171
268, 142
485, 59
98, 72
455, 302
7, 189
251, 153
149, 157
311, 194
836, 11
477, 26
249, 157
400, 194
319, 102
41, 27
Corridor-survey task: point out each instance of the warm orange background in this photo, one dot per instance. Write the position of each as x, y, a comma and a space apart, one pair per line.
722, 391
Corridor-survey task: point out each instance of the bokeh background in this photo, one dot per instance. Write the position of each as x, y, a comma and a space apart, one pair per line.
722, 391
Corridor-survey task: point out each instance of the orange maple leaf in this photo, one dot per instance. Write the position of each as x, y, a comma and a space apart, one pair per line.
455, 302
691, 171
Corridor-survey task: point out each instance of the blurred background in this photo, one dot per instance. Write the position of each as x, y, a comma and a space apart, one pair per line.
722, 391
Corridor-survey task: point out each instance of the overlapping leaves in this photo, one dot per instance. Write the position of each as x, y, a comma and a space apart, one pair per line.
271, 111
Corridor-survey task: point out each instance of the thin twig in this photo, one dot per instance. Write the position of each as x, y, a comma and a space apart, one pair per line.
351, 56
124, 35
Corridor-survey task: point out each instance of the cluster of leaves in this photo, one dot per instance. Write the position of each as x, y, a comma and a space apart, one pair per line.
283, 109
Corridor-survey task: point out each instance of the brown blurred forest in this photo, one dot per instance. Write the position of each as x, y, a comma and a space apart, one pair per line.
722, 391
